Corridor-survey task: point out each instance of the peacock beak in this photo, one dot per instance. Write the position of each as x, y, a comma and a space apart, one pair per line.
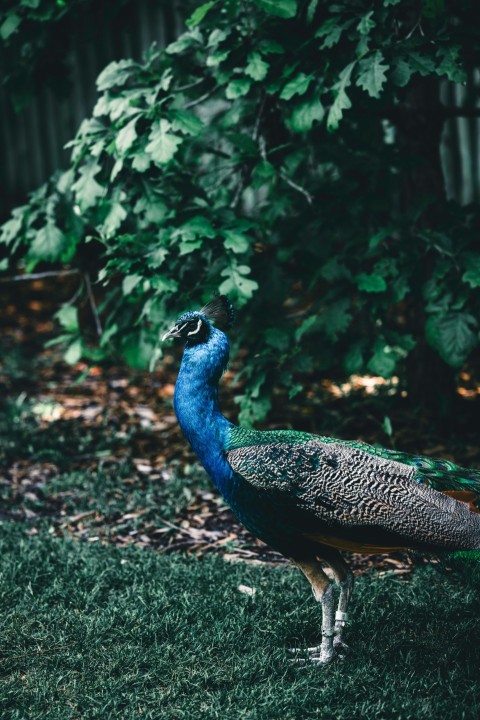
172, 333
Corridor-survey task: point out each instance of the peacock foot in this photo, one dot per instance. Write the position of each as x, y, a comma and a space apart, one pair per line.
317, 655
340, 647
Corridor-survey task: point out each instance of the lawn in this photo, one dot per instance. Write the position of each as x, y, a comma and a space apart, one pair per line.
97, 631
103, 618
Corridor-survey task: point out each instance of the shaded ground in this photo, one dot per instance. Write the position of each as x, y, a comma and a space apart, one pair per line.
96, 453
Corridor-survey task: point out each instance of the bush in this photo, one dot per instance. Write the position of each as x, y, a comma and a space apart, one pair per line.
287, 154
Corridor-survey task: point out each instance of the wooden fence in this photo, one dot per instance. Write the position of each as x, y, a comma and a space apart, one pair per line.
32, 141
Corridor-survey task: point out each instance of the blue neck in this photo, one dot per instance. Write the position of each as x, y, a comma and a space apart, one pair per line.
196, 403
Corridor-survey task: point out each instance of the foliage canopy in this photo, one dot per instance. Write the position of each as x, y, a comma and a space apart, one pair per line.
285, 153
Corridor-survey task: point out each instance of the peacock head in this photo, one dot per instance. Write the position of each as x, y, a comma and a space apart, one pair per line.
196, 325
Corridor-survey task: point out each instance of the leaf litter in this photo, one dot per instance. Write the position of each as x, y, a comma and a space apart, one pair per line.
120, 422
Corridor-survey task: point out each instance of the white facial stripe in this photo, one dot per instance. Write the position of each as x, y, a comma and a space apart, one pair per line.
184, 325
194, 332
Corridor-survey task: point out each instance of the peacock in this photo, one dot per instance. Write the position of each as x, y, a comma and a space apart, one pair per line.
309, 497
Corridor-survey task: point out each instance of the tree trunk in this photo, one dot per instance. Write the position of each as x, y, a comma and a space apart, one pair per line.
431, 382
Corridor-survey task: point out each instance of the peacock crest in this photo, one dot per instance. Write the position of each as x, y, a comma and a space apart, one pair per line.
220, 311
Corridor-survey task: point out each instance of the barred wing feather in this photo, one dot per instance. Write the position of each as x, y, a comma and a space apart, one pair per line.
347, 488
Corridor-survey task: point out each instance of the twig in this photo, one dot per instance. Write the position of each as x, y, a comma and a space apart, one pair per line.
91, 298
298, 188
189, 86
224, 177
256, 127
200, 99
39, 276
238, 191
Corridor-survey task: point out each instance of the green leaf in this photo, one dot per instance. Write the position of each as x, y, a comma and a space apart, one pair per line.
263, 173
379, 236
115, 74
185, 41
87, 190
235, 241
216, 37
130, 282
335, 269
196, 226
271, 46
74, 352
197, 16
421, 63
297, 86
276, 338
371, 283
472, 273
453, 336
217, 58
257, 68
310, 324
67, 316
48, 244
366, 24
281, 8
126, 137
186, 122
372, 74
331, 30
450, 64
188, 246
141, 162
353, 360
342, 101
9, 26
237, 88
253, 410
10, 230
138, 349
116, 215
156, 257
387, 426
402, 72
162, 144
383, 362
433, 8
304, 115
337, 318
236, 282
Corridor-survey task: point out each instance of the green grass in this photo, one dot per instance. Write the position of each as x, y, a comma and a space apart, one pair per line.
94, 631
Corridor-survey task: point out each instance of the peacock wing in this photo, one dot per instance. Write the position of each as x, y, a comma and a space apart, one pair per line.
345, 487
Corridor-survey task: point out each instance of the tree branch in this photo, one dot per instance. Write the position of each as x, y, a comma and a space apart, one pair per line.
298, 188
91, 298
39, 276
200, 99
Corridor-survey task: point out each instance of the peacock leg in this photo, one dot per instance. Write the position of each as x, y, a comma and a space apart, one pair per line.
323, 592
344, 578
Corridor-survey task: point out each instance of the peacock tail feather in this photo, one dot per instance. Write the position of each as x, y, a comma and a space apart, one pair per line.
441, 475
463, 555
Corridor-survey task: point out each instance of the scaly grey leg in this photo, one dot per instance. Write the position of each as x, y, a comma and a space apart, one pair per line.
344, 578
332, 625
323, 592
